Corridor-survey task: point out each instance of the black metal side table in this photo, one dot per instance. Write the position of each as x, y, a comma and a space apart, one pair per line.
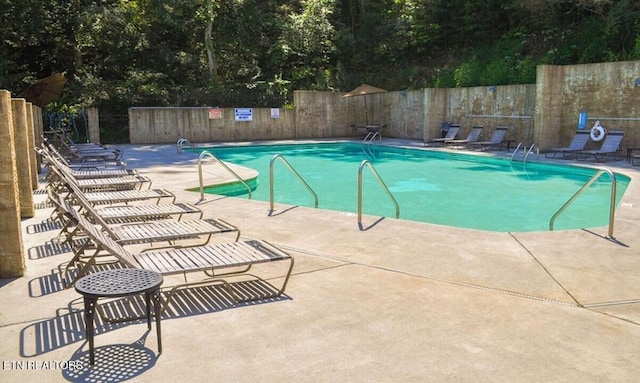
118, 283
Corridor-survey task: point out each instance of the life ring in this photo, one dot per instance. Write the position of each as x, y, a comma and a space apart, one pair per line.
597, 132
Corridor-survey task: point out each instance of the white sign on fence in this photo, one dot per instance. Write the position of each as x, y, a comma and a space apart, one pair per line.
244, 114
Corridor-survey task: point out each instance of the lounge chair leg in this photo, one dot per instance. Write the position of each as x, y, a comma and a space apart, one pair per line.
278, 293
156, 300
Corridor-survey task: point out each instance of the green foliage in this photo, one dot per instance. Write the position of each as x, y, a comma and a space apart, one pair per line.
118, 53
306, 45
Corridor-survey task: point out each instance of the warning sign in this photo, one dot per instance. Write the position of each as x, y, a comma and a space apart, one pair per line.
215, 113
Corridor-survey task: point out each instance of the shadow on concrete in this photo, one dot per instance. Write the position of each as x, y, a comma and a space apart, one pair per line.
44, 226
113, 363
68, 325
48, 249
371, 226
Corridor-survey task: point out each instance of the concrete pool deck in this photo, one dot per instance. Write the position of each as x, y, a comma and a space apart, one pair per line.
398, 301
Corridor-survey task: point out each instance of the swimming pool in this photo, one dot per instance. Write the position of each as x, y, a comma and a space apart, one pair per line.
453, 189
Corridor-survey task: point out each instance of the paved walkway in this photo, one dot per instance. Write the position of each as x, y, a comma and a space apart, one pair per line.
399, 302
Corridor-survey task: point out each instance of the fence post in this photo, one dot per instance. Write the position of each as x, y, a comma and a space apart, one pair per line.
93, 120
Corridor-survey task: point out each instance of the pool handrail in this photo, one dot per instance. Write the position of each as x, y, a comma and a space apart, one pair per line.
181, 142
366, 143
526, 152
210, 155
515, 151
612, 202
380, 181
371, 136
271, 182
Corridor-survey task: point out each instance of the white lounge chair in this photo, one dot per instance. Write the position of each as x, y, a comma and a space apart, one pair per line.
221, 261
166, 230
96, 164
57, 176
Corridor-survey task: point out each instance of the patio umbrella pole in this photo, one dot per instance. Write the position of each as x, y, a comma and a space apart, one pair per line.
366, 113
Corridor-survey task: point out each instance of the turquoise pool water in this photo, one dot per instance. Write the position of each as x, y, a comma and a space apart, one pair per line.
453, 189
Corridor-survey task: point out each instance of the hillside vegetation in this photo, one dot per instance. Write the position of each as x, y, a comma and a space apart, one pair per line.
119, 53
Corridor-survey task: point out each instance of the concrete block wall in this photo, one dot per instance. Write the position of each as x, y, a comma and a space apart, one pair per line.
545, 113
20, 132
11, 250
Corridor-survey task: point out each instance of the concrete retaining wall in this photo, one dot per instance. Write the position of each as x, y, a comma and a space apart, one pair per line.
545, 113
167, 125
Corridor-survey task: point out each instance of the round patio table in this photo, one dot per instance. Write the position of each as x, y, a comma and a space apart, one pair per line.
118, 283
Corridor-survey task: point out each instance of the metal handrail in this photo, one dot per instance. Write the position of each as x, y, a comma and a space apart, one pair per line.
210, 155
368, 139
516, 151
612, 203
181, 142
381, 182
271, 183
525, 151
524, 159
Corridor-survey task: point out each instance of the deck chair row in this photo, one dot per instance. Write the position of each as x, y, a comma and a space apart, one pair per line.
113, 206
576, 148
219, 261
74, 163
150, 232
162, 230
87, 180
473, 139
115, 183
123, 187
167, 233
101, 225
83, 152
105, 192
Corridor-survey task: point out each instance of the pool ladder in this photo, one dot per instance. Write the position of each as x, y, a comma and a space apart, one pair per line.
368, 140
371, 136
294, 172
612, 202
183, 143
525, 152
210, 155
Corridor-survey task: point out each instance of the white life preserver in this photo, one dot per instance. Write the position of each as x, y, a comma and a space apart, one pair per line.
597, 132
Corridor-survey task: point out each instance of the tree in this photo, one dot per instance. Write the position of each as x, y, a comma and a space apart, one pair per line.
307, 44
208, 13
118, 53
